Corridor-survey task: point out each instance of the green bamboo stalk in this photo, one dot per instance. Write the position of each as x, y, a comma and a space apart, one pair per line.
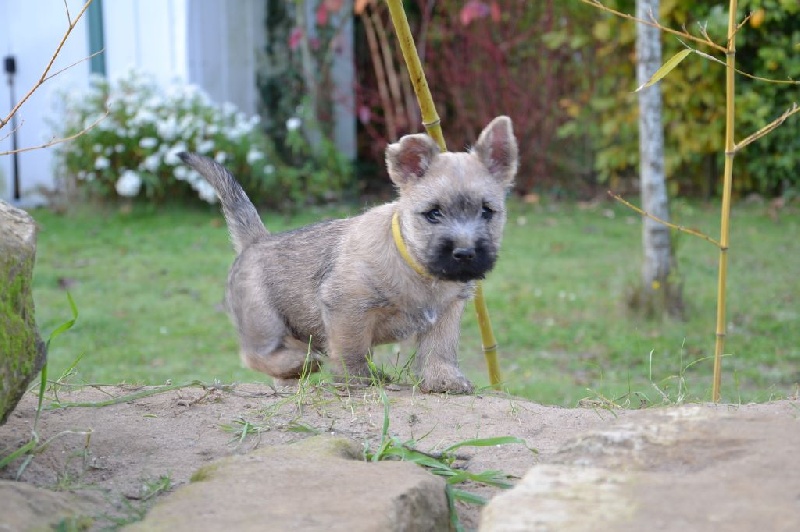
432, 123
730, 151
430, 118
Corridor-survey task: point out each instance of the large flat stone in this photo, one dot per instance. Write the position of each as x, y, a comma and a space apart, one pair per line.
22, 352
27, 508
320, 483
698, 468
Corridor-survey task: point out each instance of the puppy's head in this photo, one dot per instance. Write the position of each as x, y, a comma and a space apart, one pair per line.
452, 205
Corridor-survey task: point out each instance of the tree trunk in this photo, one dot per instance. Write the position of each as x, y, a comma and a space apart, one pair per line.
659, 290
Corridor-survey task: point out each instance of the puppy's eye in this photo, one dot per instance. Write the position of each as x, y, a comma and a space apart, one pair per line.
487, 213
433, 216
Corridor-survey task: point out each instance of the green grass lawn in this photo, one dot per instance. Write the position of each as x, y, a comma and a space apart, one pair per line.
148, 286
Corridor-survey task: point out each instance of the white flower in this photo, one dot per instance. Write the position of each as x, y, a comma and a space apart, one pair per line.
151, 163
205, 191
238, 131
187, 125
254, 155
293, 124
148, 143
221, 157
101, 163
119, 148
269, 169
171, 157
129, 184
181, 173
168, 128
107, 124
228, 108
192, 177
205, 146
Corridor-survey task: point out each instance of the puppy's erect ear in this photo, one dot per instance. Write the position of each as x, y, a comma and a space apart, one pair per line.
497, 150
408, 159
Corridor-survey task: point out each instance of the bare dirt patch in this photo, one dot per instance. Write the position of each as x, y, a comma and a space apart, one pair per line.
135, 444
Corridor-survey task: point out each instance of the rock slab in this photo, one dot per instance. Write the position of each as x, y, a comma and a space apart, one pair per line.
699, 468
27, 508
320, 483
22, 352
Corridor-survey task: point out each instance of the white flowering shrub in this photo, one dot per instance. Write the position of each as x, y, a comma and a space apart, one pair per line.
133, 152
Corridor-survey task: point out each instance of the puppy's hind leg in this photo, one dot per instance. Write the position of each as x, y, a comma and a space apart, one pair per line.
266, 347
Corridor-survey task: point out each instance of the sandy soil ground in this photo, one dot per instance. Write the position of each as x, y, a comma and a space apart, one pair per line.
116, 445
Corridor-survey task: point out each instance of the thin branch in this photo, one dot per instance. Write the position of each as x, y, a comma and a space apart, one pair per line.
766, 129
705, 41
741, 24
703, 30
4, 137
742, 72
78, 62
380, 76
44, 77
66, 8
53, 142
680, 228
391, 72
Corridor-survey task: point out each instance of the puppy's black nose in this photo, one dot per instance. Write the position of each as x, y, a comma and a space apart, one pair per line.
464, 254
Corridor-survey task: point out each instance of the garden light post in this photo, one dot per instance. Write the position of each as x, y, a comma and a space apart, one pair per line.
10, 68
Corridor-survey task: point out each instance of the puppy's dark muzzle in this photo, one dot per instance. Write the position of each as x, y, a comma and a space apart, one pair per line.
464, 254
462, 264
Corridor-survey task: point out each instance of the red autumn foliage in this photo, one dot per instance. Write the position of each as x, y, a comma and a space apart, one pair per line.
483, 59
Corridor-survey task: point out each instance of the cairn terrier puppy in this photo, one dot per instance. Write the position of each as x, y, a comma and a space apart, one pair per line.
399, 272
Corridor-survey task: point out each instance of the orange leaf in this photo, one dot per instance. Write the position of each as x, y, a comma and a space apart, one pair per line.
360, 6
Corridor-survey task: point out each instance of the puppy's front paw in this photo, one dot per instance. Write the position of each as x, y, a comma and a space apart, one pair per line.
358, 375
445, 379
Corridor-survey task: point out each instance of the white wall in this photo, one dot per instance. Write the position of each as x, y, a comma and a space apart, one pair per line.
223, 40
213, 43
31, 32
147, 34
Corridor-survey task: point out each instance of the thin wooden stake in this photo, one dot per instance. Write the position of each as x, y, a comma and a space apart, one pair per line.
730, 151
432, 123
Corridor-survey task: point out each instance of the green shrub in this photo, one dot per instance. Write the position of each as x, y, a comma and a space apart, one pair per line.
694, 97
132, 152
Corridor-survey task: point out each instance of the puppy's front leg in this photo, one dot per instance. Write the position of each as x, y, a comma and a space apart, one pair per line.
349, 343
437, 354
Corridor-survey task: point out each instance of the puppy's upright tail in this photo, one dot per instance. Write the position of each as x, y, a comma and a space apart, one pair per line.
244, 224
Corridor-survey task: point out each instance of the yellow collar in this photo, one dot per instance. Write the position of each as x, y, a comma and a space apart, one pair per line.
401, 247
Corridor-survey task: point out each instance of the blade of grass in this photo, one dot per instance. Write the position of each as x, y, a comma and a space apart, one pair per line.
30, 446
489, 477
487, 442
125, 398
465, 496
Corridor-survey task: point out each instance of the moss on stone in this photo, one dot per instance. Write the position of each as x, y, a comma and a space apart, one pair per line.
21, 347
204, 473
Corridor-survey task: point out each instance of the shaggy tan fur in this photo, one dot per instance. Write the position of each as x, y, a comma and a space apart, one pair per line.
341, 287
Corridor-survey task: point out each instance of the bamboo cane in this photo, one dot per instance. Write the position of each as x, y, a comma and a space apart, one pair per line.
730, 151
432, 123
